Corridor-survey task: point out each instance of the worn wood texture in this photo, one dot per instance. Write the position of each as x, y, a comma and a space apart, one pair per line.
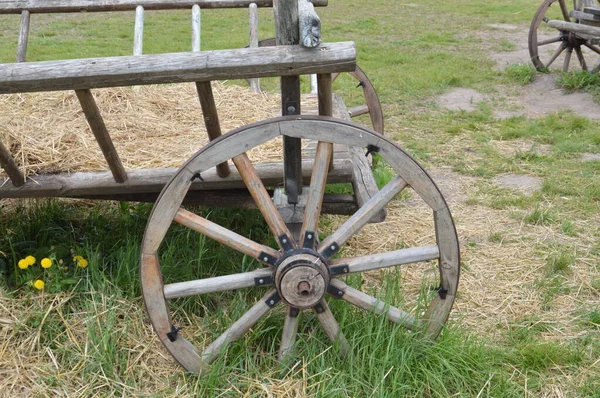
290, 330
211, 119
332, 329
59, 6
262, 199
309, 25
217, 284
222, 235
574, 27
388, 259
8, 164
138, 31
196, 28
364, 214
370, 303
152, 290
96, 123
240, 63
253, 39
238, 329
23, 36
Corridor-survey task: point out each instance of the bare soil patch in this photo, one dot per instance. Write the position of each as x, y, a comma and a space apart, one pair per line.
523, 183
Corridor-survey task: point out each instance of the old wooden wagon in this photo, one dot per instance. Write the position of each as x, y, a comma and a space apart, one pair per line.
561, 28
290, 194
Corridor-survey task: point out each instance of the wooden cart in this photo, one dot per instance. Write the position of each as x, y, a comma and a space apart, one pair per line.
302, 270
561, 28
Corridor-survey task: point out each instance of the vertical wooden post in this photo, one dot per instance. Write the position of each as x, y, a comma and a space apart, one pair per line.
196, 28
94, 118
313, 84
287, 33
23, 37
138, 31
211, 119
325, 95
253, 39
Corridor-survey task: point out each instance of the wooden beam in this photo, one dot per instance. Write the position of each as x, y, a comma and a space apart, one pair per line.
8, 164
253, 39
243, 63
211, 119
60, 6
138, 31
81, 184
196, 31
94, 118
23, 36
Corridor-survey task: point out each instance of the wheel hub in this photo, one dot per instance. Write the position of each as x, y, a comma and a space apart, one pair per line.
301, 279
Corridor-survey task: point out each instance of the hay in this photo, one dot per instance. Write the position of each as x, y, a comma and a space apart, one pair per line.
151, 126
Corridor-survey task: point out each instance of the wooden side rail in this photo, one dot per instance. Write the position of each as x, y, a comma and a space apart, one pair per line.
244, 63
64, 6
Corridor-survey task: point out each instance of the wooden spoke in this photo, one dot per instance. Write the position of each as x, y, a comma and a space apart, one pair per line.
560, 49
316, 191
567, 60
10, 167
390, 259
240, 327
592, 47
581, 58
332, 328
362, 216
219, 283
358, 110
370, 303
262, 199
290, 329
549, 41
223, 235
564, 10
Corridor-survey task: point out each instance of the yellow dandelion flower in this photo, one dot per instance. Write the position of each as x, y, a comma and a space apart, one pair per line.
82, 263
46, 263
30, 260
23, 263
39, 284
77, 258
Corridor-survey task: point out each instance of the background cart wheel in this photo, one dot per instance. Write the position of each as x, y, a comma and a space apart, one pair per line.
299, 273
553, 47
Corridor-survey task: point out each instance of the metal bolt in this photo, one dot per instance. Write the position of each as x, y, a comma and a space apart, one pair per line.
272, 302
261, 281
309, 236
266, 258
291, 109
332, 247
284, 240
340, 292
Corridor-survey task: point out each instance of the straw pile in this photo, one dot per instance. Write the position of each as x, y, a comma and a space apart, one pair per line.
151, 126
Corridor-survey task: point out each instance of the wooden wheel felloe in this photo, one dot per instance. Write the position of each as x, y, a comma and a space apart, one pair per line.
549, 46
298, 274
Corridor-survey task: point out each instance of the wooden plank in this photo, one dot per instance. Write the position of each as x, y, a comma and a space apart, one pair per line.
253, 39
584, 16
238, 329
174, 68
81, 184
389, 259
216, 284
362, 216
287, 33
138, 31
358, 110
223, 235
211, 119
182, 350
23, 36
94, 118
60, 6
196, 28
8, 164
370, 303
574, 27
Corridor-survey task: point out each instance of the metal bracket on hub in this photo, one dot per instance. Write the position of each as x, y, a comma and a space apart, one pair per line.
263, 281
337, 270
330, 250
294, 312
285, 242
309, 240
319, 309
267, 258
273, 300
335, 292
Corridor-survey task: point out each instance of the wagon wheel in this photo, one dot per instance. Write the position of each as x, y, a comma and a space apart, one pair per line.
547, 44
371, 104
298, 274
